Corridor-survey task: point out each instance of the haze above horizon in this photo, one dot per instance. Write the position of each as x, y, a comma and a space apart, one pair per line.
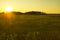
48, 6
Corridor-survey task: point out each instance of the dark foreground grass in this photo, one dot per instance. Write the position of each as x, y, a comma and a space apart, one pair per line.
30, 27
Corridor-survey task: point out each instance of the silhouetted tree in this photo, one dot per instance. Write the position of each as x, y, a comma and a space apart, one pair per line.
35, 12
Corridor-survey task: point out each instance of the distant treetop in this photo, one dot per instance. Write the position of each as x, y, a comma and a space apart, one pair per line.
35, 12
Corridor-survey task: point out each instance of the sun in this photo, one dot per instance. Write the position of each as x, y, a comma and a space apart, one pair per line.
8, 12
8, 9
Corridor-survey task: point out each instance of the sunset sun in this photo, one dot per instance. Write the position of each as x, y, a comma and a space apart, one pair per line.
8, 12
8, 9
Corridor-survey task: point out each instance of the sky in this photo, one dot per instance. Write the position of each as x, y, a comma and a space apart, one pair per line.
48, 6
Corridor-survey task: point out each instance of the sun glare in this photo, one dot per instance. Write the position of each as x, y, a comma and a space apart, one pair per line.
8, 9
8, 12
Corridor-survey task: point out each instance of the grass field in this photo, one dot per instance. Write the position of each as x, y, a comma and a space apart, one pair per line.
30, 27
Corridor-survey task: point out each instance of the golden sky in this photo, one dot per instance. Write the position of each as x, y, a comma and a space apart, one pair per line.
49, 6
